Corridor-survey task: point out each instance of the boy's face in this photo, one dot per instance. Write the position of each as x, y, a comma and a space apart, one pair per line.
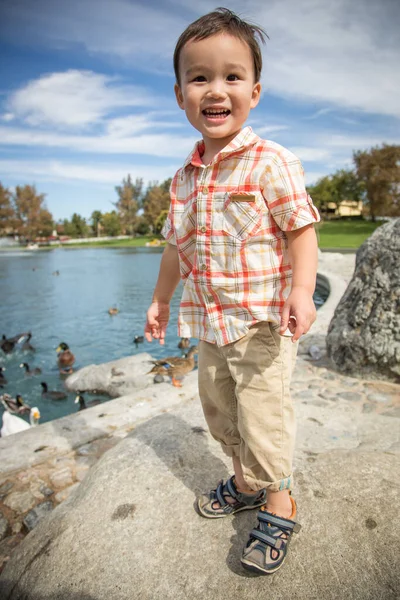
217, 88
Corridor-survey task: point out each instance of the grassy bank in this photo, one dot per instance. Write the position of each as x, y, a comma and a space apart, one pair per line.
344, 233
341, 233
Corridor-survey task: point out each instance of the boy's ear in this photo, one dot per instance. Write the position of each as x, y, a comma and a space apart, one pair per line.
179, 96
255, 97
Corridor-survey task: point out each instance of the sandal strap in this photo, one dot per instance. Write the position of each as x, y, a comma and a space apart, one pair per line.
277, 543
231, 487
280, 522
219, 492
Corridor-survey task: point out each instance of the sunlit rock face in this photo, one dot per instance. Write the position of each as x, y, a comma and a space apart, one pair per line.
364, 334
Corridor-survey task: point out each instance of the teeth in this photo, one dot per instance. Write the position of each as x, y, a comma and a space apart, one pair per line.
216, 112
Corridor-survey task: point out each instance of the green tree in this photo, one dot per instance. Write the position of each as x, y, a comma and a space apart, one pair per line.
379, 171
7, 213
76, 227
95, 220
159, 224
155, 201
111, 224
33, 218
128, 203
342, 185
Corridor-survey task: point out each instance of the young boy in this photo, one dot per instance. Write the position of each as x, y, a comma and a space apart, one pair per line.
240, 235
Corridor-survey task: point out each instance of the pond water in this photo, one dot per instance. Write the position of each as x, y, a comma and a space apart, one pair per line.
72, 307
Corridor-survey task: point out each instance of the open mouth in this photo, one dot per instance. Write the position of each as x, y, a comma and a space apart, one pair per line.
216, 114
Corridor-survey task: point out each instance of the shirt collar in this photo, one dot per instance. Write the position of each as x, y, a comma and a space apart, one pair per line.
245, 138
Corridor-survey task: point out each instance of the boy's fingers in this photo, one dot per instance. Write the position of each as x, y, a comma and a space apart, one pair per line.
284, 319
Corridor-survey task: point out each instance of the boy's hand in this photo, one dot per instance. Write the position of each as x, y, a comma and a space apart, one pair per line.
157, 321
298, 313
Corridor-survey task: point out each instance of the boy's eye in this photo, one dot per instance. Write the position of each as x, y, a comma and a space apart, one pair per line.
232, 77
199, 78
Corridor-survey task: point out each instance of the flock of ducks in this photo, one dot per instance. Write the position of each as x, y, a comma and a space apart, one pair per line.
175, 367
16, 408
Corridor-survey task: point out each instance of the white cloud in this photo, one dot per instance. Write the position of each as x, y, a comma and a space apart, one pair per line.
102, 173
163, 144
74, 99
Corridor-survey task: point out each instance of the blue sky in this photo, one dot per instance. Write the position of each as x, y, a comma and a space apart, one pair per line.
86, 92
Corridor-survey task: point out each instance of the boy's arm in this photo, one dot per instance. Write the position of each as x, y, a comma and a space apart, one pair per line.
168, 279
303, 253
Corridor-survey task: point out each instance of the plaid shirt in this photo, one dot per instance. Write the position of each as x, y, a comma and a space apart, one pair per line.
228, 220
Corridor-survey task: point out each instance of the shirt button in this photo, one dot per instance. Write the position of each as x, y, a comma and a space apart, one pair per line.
203, 267
203, 229
210, 298
205, 190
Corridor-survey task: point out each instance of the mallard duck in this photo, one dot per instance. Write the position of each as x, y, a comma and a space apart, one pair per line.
65, 357
83, 404
15, 405
28, 371
26, 346
52, 394
176, 367
3, 380
13, 424
184, 344
113, 310
138, 339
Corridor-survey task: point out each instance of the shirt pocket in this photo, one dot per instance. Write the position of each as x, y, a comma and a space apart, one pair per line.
241, 213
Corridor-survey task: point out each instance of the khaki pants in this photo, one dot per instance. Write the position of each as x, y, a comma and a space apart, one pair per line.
244, 390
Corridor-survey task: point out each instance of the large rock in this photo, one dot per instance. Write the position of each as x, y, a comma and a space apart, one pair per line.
364, 334
116, 378
130, 530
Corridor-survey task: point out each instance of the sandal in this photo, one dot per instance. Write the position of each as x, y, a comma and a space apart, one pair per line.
267, 547
243, 501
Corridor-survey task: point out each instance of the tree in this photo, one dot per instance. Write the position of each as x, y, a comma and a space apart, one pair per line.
156, 201
7, 213
159, 224
130, 196
111, 223
342, 185
96, 218
77, 227
33, 218
379, 170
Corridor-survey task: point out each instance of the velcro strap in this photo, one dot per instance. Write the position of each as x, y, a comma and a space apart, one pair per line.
231, 488
219, 493
279, 522
276, 543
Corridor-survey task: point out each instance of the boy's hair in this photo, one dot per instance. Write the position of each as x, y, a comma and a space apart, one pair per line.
223, 20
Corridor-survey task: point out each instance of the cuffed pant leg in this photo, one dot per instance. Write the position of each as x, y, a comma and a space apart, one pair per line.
261, 364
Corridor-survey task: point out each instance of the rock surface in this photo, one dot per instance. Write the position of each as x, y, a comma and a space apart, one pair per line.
137, 504
364, 335
116, 378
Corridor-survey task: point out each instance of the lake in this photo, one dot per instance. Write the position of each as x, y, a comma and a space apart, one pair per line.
72, 307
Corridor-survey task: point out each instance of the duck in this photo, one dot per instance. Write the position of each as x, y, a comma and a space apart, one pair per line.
26, 346
7, 345
52, 394
176, 367
13, 424
138, 339
28, 371
82, 404
65, 358
3, 380
113, 310
184, 344
15, 405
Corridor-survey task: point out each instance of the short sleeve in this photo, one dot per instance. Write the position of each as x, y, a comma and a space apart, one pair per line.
167, 230
285, 193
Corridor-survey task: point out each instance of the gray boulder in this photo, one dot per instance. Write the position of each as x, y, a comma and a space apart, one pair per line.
364, 334
115, 378
130, 530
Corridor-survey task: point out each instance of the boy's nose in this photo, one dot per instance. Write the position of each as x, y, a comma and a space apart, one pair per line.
216, 91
